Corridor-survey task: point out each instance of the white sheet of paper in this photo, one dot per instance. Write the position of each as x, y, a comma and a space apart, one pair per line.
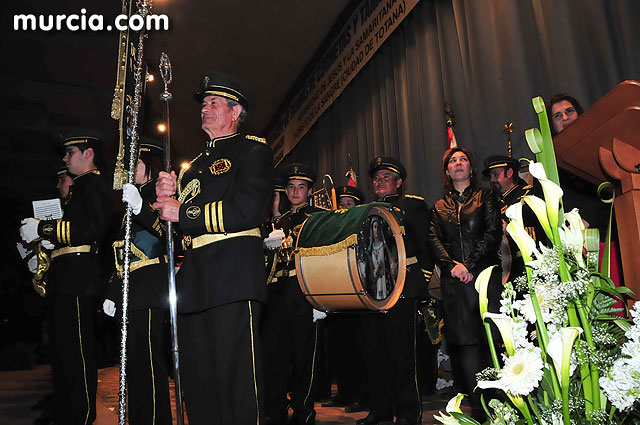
47, 209
22, 250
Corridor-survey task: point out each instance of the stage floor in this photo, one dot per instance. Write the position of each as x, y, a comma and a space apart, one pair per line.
20, 390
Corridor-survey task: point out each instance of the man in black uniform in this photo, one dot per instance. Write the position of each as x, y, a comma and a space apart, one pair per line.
390, 339
345, 338
73, 280
290, 333
510, 189
223, 197
148, 301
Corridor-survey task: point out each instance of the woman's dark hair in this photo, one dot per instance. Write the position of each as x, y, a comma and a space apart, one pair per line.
447, 185
153, 162
557, 99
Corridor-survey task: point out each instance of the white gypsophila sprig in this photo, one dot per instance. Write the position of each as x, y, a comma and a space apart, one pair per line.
622, 381
565, 292
503, 413
521, 334
622, 384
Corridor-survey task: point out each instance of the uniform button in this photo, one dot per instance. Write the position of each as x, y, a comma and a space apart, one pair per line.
199, 171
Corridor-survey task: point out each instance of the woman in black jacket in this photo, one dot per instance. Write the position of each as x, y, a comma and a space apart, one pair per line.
464, 234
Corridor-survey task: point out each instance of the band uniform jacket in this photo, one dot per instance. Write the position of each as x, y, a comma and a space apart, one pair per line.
148, 276
225, 193
81, 230
465, 228
415, 212
285, 295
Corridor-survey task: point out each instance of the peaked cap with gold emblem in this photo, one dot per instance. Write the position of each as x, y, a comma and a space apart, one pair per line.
80, 137
352, 192
150, 145
63, 171
298, 172
497, 161
387, 163
217, 84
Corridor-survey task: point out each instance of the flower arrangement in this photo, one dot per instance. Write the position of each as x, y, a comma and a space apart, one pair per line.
568, 359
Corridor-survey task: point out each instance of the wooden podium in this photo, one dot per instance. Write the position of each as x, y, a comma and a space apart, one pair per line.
603, 144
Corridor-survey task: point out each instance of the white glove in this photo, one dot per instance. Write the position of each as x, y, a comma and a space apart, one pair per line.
275, 239
29, 229
318, 315
33, 264
46, 244
131, 196
109, 308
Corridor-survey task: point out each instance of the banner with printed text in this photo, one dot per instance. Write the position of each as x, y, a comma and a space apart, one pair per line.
364, 32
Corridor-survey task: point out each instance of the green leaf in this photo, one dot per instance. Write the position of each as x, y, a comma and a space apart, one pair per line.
464, 419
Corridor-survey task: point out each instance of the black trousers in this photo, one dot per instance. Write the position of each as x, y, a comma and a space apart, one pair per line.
390, 362
290, 344
221, 364
345, 355
148, 368
71, 324
466, 361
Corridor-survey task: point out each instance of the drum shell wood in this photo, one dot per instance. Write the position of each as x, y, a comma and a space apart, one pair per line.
332, 282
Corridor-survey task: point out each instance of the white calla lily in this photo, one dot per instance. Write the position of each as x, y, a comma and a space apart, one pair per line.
560, 348
452, 406
505, 326
514, 212
525, 242
482, 285
539, 208
552, 192
572, 236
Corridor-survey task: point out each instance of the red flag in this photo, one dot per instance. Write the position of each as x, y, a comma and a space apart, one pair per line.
451, 138
353, 178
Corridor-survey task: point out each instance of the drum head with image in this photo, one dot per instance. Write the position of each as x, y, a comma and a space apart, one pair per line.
377, 256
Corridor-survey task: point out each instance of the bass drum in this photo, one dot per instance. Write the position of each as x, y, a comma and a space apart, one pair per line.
352, 259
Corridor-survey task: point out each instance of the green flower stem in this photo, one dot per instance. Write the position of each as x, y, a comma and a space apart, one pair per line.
564, 370
548, 153
543, 336
518, 401
492, 348
534, 407
585, 367
595, 378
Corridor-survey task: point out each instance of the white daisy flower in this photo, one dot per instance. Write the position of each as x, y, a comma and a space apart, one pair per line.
522, 372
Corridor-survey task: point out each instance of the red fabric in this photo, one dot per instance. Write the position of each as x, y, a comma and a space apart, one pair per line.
615, 267
451, 138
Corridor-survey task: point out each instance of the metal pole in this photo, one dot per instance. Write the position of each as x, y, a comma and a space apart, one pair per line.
165, 97
143, 10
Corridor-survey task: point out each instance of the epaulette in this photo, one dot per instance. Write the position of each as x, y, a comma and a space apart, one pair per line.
256, 138
94, 171
280, 217
414, 197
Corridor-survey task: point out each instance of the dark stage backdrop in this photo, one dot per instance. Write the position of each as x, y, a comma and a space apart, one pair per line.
488, 59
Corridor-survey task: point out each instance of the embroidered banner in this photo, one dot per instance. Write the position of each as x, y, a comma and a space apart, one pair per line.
363, 33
